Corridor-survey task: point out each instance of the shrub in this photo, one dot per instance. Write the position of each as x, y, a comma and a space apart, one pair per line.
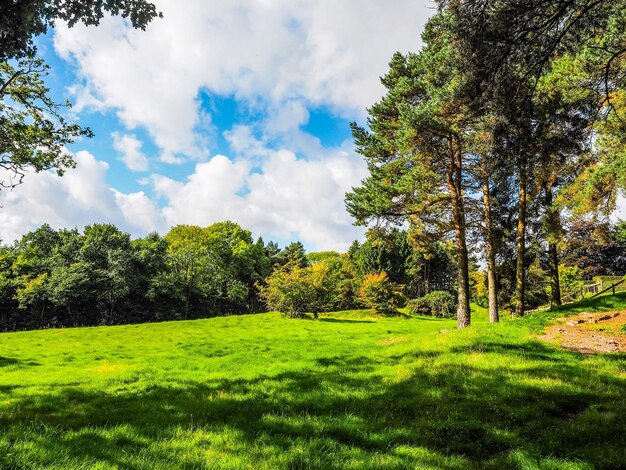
437, 304
379, 293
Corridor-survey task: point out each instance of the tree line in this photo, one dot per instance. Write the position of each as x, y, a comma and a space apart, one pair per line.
100, 276
501, 134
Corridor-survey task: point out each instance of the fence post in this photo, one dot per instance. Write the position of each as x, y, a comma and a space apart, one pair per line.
613, 289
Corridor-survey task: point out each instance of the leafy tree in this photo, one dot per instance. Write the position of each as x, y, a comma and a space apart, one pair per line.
294, 253
508, 49
100, 276
498, 36
595, 190
72, 289
243, 262
273, 252
566, 113
107, 251
33, 131
322, 256
384, 250
596, 248
149, 258
33, 293
571, 281
21, 20
379, 293
296, 290
340, 280
191, 264
488, 166
35, 251
416, 149
10, 317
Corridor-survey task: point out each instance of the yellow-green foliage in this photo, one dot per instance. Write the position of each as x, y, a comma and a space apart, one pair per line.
379, 293
32, 290
295, 290
479, 286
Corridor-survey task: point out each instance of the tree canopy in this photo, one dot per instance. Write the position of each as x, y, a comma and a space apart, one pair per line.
22, 20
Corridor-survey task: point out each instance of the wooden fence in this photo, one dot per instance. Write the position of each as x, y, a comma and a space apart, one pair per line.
590, 289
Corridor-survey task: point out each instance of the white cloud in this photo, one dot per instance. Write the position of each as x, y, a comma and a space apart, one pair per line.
286, 199
79, 198
279, 197
278, 59
283, 55
130, 148
244, 143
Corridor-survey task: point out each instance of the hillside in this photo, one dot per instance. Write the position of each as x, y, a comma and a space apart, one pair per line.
345, 391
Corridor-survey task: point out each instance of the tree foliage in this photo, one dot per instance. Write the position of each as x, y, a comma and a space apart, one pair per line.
379, 293
22, 20
101, 276
33, 130
295, 290
437, 304
510, 112
415, 149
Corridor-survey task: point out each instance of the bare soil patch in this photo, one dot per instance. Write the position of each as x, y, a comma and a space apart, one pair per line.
589, 332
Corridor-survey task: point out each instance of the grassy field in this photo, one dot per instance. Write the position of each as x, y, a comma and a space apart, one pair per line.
345, 391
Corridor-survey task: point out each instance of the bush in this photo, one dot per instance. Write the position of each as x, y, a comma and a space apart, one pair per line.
438, 304
379, 293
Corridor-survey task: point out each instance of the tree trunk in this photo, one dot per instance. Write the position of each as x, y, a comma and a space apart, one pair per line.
555, 287
426, 285
455, 186
552, 227
187, 300
520, 281
491, 255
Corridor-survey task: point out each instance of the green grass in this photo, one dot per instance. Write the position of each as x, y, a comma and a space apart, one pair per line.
346, 391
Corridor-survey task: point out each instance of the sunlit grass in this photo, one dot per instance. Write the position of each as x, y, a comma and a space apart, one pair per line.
349, 390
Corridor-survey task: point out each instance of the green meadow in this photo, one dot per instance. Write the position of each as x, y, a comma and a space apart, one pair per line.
348, 390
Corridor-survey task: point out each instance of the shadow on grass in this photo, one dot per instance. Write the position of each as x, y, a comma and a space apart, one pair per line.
554, 408
533, 350
10, 361
430, 318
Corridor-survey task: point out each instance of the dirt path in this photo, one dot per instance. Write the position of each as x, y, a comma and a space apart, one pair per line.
590, 333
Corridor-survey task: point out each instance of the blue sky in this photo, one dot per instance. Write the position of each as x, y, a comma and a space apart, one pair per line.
226, 109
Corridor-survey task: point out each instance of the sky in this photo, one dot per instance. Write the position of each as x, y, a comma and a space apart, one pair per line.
222, 110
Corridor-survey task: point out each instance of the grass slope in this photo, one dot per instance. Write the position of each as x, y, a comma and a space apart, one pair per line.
346, 391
